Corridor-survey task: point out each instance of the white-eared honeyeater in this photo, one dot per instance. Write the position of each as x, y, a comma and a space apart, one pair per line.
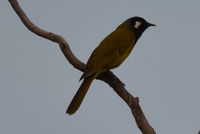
110, 53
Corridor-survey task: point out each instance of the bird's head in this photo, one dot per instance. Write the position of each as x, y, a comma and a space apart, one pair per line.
138, 25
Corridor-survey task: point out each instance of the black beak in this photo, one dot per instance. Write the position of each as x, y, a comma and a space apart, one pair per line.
150, 24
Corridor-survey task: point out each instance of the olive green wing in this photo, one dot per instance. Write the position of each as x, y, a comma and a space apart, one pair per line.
110, 50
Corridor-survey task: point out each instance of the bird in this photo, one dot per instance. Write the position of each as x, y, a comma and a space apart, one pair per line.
109, 54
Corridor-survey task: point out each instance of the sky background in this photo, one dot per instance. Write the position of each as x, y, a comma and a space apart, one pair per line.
37, 83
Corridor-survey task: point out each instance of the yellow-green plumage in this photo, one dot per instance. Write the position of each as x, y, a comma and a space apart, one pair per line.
110, 53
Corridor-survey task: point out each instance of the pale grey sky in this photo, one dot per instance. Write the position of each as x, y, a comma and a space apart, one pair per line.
37, 83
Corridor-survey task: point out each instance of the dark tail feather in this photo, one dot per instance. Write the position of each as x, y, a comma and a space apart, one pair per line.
80, 94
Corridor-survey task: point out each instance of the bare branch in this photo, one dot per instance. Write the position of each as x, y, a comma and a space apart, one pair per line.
108, 77
48, 35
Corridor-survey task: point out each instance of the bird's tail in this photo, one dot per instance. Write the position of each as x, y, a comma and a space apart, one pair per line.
80, 94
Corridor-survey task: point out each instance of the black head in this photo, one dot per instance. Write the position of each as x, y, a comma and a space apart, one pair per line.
138, 25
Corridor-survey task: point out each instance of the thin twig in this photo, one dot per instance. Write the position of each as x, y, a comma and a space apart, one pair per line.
108, 77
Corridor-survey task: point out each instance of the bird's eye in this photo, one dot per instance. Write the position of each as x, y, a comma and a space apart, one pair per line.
137, 24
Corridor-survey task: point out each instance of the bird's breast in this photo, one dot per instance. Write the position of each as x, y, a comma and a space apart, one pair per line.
122, 54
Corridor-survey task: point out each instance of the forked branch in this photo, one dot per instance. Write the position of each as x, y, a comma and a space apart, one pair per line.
107, 77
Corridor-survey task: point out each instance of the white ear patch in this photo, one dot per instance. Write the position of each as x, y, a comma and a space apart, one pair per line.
137, 24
